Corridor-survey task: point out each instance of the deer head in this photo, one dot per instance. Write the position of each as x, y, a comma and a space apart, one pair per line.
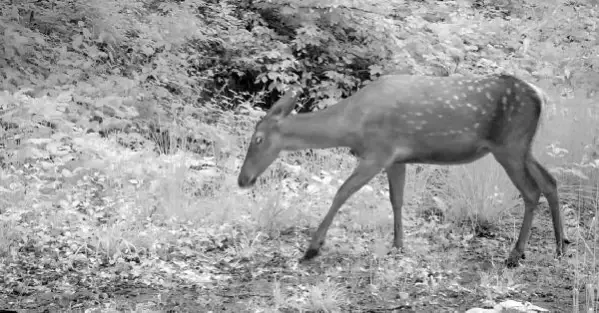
267, 142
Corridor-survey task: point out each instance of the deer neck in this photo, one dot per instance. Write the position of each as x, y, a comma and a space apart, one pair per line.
316, 130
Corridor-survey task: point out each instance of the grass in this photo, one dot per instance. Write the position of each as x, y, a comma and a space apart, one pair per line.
460, 223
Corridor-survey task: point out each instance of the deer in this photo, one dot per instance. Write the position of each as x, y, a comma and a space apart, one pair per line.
408, 119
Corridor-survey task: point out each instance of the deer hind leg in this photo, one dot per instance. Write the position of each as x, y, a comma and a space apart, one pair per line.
366, 170
396, 175
548, 186
514, 161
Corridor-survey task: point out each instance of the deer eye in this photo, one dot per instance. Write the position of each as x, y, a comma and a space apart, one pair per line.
258, 140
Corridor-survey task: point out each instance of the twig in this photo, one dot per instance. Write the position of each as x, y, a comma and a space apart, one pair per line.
239, 295
393, 308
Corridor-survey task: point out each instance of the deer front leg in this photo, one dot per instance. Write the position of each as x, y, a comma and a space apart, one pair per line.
366, 170
396, 175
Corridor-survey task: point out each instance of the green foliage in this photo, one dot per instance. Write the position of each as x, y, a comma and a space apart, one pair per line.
228, 52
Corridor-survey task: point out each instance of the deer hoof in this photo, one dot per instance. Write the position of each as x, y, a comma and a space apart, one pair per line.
514, 259
395, 250
563, 248
310, 254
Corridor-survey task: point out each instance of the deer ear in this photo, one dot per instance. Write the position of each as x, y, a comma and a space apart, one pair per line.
285, 104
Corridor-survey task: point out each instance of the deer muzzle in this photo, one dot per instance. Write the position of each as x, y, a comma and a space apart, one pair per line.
245, 181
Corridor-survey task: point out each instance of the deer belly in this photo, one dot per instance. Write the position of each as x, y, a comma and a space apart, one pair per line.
448, 151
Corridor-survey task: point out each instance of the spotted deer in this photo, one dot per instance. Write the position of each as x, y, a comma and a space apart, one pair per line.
398, 120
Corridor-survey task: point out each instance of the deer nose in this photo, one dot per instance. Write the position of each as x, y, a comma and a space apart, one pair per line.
244, 181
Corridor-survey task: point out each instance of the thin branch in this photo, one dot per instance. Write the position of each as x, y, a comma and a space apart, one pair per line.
333, 7
239, 295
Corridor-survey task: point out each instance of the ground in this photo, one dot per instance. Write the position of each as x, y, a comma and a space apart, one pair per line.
444, 268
